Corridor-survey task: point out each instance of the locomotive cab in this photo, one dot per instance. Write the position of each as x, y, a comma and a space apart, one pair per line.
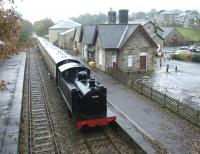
86, 99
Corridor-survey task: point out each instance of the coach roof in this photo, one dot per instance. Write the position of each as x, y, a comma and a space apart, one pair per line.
56, 54
67, 66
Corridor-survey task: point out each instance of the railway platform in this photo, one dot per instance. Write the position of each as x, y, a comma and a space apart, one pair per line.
138, 115
11, 90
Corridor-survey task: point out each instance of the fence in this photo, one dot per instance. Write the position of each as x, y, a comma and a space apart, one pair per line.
189, 113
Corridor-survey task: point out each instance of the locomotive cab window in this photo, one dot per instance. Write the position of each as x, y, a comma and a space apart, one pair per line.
67, 76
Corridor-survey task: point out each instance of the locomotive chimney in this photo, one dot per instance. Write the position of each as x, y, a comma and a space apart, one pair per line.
111, 17
91, 82
123, 16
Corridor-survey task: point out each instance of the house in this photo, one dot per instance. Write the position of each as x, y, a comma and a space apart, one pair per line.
159, 40
88, 40
191, 20
169, 18
77, 39
148, 25
127, 47
61, 27
154, 31
159, 30
65, 39
172, 36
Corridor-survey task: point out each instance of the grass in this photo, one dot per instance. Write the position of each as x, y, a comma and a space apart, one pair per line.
190, 35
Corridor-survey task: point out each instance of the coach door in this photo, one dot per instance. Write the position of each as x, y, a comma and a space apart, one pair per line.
143, 61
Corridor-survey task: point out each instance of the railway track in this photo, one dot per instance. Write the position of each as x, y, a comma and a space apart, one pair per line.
104, 140
41, 130
93, 141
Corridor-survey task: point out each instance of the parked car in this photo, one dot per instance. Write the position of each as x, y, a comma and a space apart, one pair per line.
183, 49
198, 49
192, 48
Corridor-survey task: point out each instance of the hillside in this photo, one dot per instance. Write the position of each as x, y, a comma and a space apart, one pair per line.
190, 35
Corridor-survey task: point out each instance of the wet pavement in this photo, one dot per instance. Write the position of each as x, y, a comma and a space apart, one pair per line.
174, 133
12, 74
183, 84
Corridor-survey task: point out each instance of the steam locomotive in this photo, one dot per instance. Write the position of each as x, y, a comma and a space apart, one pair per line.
84, 95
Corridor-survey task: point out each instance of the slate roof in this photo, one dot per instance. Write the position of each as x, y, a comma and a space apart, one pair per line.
155, 34
158, 27
67, 24
114, 36
140, 21
167, 31
89, 34
67, 31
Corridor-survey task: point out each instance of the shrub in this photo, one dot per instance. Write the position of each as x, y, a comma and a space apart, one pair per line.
182, 56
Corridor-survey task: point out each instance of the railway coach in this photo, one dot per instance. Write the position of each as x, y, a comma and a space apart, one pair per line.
84, 95
53, 56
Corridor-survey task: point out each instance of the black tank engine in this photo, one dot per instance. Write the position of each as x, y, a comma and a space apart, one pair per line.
84, 95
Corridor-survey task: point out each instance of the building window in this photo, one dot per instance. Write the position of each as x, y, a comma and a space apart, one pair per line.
130, 60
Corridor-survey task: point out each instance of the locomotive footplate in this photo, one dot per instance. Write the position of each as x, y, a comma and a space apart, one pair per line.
97, 122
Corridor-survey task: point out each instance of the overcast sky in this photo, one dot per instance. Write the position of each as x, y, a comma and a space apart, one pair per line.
61, 9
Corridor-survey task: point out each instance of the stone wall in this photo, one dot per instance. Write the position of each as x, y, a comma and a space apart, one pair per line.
136, 46
53, 34
98, 47
149, 27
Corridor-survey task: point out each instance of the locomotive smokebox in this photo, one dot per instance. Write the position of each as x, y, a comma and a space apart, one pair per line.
123, 16
92, 83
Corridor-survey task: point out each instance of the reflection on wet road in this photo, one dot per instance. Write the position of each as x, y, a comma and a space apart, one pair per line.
183, 84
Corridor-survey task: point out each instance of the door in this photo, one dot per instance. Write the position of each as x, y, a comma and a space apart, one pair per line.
114, 59
143, 62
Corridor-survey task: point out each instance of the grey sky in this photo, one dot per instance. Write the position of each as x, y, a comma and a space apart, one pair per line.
61, 9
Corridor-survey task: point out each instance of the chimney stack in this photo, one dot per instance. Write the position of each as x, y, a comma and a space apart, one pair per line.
111, 16
123, 16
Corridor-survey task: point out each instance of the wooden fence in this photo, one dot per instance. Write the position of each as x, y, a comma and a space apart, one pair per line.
189, 113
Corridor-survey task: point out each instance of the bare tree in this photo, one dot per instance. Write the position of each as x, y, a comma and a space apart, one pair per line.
9, 30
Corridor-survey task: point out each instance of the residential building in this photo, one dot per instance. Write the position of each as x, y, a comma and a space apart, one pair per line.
88, 41
127, 47
154, 31
172, 36
65, 39
169, 18
191, 20
77, 39
61, 27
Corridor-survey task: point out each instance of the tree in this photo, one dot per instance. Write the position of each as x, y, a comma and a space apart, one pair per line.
88, 19
41, 27
152, 13
26, 30
140, 15
9, 30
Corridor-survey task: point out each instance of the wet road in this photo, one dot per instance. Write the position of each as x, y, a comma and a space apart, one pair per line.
183, 84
